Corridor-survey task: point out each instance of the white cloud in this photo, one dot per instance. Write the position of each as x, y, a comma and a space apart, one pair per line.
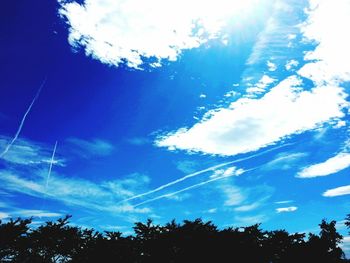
333, 165
343, 190
271, 66
261, 86
250, 124
327, 26
345, 245
291, 64
286, 209
231, 171
4, 215
132, 31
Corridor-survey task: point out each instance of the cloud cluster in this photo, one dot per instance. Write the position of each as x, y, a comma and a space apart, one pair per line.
135, 32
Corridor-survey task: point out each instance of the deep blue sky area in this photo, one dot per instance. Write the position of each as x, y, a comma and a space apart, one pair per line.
232, 124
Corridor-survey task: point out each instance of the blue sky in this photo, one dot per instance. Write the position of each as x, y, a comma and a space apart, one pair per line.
236, 113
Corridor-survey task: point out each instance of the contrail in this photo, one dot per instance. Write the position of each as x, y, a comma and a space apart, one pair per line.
23, 120
190, 187
50, 167
201, 172
48, 176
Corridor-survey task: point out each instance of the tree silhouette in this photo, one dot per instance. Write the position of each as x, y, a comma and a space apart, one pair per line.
191, 241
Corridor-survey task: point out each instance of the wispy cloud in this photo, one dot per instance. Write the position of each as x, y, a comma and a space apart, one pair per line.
285, 161
250, 220
26, 152
232, 194
333, 165
139, 141
76, 192
284, 202
230, 171
186, 189
176, 181
274, 38
342, 190
88, 148
252, 206
286, 209
34, 213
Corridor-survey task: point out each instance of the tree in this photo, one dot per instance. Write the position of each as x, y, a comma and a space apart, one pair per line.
13, 243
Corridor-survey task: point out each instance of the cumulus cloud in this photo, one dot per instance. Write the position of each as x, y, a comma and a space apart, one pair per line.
250, 124
342, 190
331, 166
134, 31
271, 66
286, 209
291, 64
261, 86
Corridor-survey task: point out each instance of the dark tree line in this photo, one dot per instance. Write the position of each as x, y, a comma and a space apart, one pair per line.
192, 241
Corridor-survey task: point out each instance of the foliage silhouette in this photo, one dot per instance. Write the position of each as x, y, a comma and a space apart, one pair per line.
191, 241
